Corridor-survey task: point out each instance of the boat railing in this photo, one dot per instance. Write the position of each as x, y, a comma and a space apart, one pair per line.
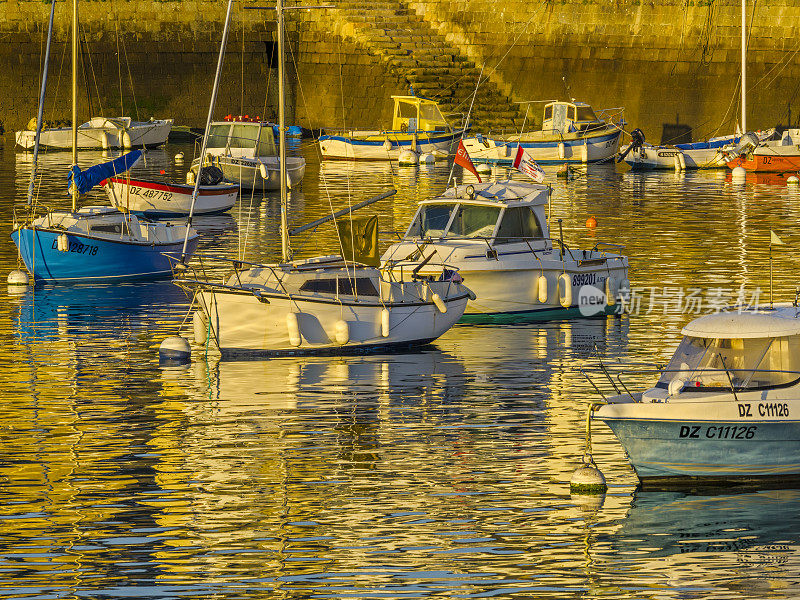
603, 247
448, 271
730, 375
202, 274
492, 241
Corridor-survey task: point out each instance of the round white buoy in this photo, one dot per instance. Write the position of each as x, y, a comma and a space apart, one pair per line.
407, 157
483, 168
792, 180
175, 349
427, 159
179, 157
18, 277
738, 173
588, 479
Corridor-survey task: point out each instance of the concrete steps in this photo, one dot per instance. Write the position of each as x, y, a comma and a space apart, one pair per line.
393, 32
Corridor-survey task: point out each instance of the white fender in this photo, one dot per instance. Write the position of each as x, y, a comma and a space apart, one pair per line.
190, 177
611, 291
585, 152
387, 145
293, 328
126, 140
561, 150
200, 324
63, 243
624, 288
262, 169
437, 300
104, 140
341, 332
682, 161
565, 290
541, 288
385, 322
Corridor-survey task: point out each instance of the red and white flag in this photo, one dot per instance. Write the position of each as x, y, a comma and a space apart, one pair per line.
524, 163
463, 160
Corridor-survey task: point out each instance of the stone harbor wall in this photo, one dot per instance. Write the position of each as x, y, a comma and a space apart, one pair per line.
672, 64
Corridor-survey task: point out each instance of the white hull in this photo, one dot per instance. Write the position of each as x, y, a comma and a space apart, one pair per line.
336, 147
667, 158
247, 171
591, 148
160, 199
239, 322
101, 133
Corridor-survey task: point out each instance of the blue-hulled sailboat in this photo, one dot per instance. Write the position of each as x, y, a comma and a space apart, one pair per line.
94, 243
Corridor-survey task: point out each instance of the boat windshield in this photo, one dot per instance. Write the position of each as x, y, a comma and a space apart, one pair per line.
431, 221
474, 221
585, 113
749, 363
244, 135
218, 136
470, 221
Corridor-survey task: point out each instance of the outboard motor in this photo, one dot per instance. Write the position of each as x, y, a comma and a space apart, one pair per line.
747, 143
637, 141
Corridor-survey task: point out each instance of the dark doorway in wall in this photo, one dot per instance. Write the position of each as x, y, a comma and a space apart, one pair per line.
271, 52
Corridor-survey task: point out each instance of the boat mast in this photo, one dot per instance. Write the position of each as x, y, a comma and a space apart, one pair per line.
41, 105
74, 186
744, 65
208, 128
285, 250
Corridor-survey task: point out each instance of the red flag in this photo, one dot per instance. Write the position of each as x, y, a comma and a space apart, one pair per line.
524, 163
463, 160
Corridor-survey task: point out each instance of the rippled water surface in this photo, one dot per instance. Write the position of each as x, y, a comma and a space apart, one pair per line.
437, 473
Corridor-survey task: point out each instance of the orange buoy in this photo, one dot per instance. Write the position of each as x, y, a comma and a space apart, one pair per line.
591, 222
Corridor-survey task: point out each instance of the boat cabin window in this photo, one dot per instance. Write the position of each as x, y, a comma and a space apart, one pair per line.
341, 285
747, 363
518, 223
585, 113
548, 112
571, 113
218, 135
244, 135
106, 228
266, 143
431, 119
474, 221
431, 221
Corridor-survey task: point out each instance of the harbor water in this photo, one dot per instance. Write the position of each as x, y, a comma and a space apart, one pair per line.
441, 472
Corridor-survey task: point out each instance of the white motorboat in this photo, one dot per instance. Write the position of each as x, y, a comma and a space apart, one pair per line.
245, 152
495, 235
101, 132
322, 304
168, 199
417, 126
571, 132
726, 409
755, 153
709, 154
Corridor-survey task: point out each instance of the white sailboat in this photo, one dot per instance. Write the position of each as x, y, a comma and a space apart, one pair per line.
93, 243
100, 132
322, 304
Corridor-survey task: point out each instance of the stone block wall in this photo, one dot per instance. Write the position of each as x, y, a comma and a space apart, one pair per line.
663, 60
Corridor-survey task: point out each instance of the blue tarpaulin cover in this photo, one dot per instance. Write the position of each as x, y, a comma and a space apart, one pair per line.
86, 180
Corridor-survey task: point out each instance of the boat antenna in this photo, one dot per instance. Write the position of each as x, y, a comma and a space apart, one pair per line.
466, 122
74, 186
41, 105
208, 127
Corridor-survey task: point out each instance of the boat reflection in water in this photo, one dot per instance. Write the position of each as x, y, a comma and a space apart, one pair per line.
690, 538
95, 313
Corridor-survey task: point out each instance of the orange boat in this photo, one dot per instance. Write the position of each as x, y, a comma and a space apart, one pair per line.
767, 163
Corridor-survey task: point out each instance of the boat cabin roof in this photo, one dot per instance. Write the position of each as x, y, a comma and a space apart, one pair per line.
781, 321
506, 192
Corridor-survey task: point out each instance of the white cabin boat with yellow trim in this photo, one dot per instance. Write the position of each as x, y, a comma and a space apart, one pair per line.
417, 125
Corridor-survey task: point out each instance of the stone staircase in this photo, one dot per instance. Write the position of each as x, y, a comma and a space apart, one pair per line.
420, 56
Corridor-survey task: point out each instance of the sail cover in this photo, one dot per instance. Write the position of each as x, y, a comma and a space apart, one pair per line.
86, 180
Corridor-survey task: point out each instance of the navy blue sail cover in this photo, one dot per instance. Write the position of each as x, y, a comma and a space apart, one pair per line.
86, 180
